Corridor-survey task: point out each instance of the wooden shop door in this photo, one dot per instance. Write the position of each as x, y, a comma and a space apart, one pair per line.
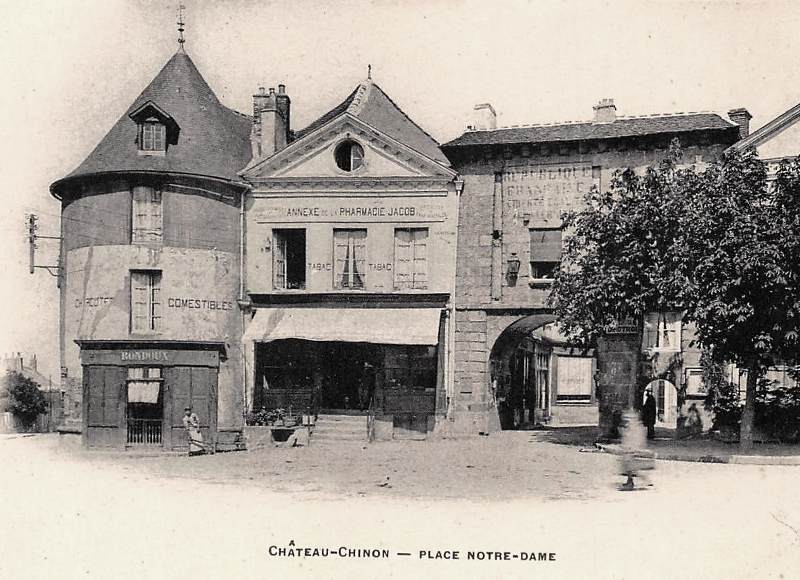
104, 406
195, 387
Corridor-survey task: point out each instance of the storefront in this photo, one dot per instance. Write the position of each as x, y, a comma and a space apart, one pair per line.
350, 245
348, 359
134, 395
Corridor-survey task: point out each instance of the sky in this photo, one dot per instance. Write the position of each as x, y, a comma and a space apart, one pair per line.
70, 69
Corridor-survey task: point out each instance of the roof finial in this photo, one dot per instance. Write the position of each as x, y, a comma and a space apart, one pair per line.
181, 23
369, 71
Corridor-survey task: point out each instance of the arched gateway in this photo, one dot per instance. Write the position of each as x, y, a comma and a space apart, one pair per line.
537, 379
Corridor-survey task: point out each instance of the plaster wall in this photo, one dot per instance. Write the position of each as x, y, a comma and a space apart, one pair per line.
319, 214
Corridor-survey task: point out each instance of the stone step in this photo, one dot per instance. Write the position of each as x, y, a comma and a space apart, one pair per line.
342, 418
339, 428
317, 437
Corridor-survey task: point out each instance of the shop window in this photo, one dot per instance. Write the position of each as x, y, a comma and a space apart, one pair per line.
410, 367
289, 259
145, 302
349, 156
411, 259
144, 410
146, 215
545, 253
574, 383
662, 331
349, 255
152, 135
543, 380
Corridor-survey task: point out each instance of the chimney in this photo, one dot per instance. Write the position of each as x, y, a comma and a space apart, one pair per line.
605, 111
284, 108
270, 121
485, 117
741, 117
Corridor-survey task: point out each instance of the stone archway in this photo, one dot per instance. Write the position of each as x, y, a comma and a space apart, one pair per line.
519, 372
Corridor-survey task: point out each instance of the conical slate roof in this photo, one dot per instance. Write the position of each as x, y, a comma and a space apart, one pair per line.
213, 141
370, 104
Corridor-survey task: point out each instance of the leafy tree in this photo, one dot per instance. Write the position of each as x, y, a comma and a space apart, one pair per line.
22, 397
722, 245
618, 259
738, 255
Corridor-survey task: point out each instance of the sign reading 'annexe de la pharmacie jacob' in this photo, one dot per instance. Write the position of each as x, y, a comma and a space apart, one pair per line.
370, 211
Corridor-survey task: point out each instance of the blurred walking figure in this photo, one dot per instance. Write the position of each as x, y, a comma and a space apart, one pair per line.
192, 425
635, 459
649, 413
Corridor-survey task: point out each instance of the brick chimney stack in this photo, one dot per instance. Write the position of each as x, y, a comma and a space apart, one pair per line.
270, 121
485, 117
605, 111
741, 117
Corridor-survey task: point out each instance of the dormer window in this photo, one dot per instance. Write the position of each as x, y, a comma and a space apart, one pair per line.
152, 135
157, 130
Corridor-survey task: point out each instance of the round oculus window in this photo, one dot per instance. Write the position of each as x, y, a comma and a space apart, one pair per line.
349, 156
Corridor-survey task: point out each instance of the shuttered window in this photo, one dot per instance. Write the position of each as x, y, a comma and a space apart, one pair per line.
146, 215
289, 259
145, 301
545, 252
350, 257
411, 258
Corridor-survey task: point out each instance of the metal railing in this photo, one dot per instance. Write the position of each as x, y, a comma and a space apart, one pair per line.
144, 431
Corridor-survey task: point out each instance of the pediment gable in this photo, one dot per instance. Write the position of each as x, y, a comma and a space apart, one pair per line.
313, 156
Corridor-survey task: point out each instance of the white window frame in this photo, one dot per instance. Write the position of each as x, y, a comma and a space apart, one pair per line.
280, 261
152, 136
354, 263
662, 332
147, 218
416, 254
146, 304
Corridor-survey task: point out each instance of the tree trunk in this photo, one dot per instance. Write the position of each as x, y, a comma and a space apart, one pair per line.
748, 415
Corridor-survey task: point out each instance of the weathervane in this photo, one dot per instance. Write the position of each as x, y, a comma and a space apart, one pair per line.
181, 39
369, 71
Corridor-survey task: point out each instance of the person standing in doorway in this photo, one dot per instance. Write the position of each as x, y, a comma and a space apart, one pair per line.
649, 413
192, 425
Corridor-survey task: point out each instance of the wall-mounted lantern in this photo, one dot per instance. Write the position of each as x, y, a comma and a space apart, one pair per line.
459, 185
512, 269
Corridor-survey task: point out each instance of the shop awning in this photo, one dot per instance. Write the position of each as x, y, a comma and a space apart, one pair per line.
374, 325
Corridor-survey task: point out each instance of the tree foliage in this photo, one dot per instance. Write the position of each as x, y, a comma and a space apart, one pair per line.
720, 244
618, 257
22, 397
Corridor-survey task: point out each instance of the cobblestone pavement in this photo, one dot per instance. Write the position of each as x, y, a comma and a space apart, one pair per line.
116, 516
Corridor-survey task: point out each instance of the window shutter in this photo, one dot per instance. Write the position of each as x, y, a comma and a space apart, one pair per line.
403, 258
420, 272
545, 245
139, 301
359, 254
341, 257
155, 302
279, 264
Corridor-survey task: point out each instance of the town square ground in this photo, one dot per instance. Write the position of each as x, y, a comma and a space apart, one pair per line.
511, 505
